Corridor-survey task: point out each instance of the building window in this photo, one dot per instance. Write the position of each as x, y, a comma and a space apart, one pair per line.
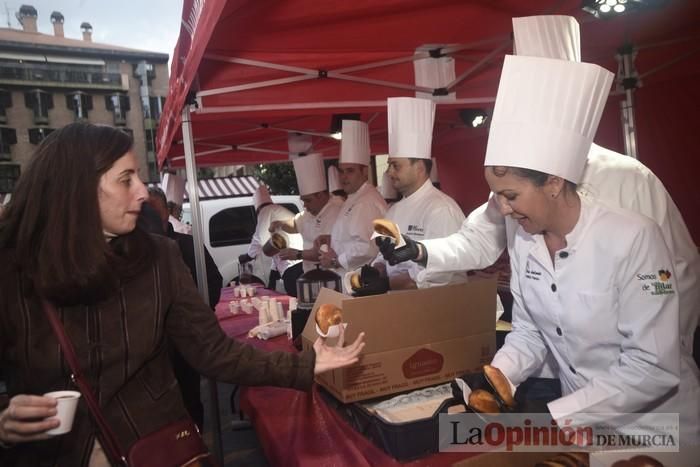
9, 173
119, 104
8, 137
150, 137
5, 102
37, 135
40, 102
80, 103
156, 104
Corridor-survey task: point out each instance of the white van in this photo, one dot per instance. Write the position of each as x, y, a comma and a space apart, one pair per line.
228, 225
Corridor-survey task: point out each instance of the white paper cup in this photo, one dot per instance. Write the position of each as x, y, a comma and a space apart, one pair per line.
236, 291
250, 290
234, 307
246, 306
67, 402
333, 331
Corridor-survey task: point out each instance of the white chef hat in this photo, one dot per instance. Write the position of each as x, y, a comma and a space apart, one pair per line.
311, 176
547, 36
261, 196
386, 189
354, 147
333, 179
174, 188
546, 114
410, 125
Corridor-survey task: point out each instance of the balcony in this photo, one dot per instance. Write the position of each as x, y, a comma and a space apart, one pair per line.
23, 74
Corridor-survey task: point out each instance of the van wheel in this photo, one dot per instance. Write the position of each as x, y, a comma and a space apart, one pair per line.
253, 280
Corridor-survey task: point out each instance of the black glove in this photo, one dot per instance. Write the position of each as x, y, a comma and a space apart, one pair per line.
393, 255
244, 258
373, 283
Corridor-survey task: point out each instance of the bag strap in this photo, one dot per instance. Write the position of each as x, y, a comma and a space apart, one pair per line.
111, 446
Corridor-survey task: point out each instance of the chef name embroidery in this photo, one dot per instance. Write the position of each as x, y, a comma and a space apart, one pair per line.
658, 283
415, 230
531, 274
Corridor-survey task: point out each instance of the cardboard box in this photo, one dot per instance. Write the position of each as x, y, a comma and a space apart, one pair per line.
413, 338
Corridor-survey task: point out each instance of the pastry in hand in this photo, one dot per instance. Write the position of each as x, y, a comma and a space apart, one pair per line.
483, 402
387, 228
500, 384
278, 241
328, 315
355, 281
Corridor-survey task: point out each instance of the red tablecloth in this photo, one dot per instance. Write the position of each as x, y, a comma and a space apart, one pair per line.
297, 428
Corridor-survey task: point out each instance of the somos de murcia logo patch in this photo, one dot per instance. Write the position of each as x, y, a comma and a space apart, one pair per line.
658, 283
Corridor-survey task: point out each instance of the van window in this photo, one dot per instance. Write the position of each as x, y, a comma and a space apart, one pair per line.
232, 226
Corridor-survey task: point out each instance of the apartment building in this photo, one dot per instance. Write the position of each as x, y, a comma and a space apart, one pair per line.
49, 80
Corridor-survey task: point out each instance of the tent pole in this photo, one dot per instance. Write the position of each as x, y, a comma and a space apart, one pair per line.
198, 238
628, 80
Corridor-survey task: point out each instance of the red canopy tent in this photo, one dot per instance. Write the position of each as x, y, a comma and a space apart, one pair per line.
257, 69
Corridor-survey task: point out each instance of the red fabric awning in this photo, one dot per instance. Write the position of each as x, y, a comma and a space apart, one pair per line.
258, 68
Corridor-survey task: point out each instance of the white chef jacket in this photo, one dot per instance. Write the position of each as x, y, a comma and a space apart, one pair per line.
612, 178
310, 226
350, 236
267, 214
426, 213
607, 315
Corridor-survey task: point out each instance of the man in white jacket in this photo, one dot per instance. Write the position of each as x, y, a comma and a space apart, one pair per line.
612, 178
267, 213
423, 212
350, 243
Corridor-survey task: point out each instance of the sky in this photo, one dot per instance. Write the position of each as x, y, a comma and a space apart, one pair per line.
152, 25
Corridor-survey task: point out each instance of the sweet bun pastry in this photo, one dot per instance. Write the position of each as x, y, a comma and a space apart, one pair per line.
278, 241
500, 384
355, 281
483, 402
328, 315
388, 228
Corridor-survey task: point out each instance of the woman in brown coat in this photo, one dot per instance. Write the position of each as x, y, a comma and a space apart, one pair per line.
70, 236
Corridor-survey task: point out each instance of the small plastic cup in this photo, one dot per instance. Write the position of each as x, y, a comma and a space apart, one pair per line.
67, 402
234, 307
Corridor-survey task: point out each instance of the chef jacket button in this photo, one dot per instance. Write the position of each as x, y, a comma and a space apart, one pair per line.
573, 370
563, 255
559, 333
554, 287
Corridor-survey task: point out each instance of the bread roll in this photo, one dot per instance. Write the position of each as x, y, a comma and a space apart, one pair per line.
355, 281
388, 228
483, 402
500, 384
328, 315
278, 241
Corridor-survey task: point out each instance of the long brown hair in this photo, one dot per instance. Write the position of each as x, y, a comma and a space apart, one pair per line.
52, 227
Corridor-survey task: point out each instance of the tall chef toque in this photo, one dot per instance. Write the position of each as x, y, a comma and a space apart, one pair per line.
174, 188
410, 125
549, 36
546, 115
261, 196
311, 176
354, 147
333, 179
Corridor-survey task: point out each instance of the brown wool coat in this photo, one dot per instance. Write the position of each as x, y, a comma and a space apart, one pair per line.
121, 345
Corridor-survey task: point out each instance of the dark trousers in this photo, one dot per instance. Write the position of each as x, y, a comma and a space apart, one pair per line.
290, 276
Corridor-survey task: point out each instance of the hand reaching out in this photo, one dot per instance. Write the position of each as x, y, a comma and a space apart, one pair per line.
332, 357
